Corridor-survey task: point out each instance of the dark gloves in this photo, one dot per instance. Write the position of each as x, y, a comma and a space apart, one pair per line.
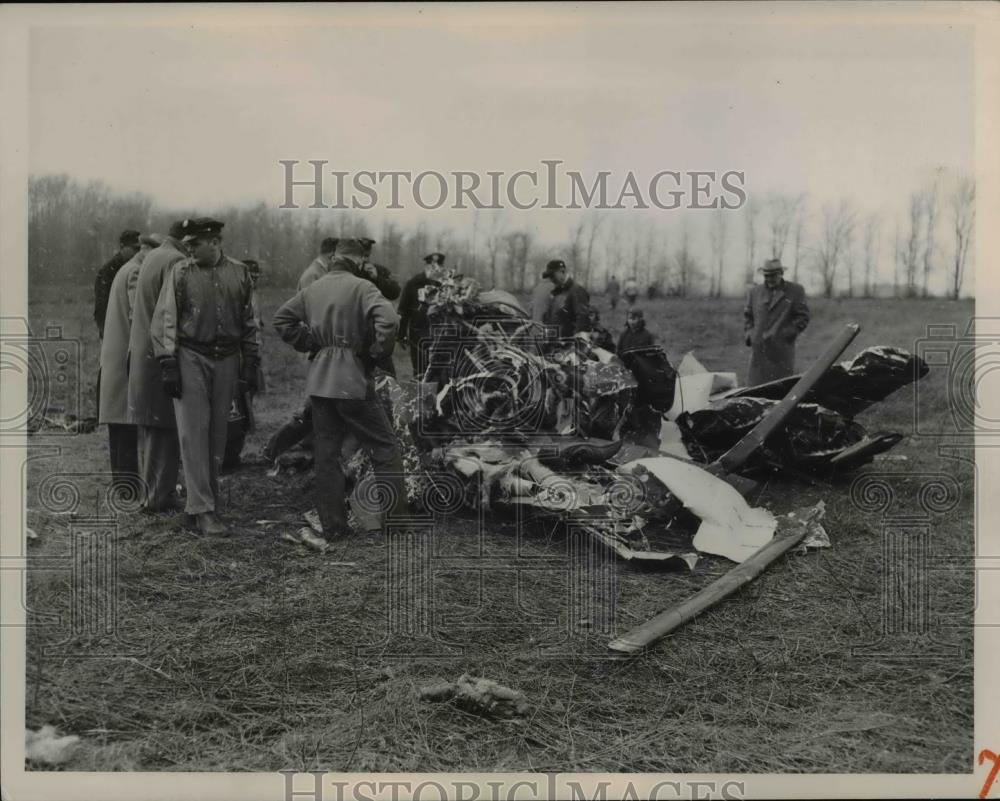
248, 376
170, 374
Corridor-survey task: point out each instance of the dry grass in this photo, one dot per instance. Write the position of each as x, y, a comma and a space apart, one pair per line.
246, 649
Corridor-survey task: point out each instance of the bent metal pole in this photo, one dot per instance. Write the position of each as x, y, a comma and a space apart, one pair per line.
639, 638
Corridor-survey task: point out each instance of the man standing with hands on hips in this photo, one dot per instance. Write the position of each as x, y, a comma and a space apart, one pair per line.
350, 326
774, 316
206, 339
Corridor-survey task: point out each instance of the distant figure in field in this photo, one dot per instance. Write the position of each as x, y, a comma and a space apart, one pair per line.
631, 291
774, 316
613, 291
653, 290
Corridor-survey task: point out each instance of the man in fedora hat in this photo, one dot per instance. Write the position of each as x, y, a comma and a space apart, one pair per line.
774, 316
414, 325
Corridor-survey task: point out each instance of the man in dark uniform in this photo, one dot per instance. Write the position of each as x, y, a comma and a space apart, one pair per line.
387, 284
206, 339
774, 316
349, 326
569, 305
414, 325
128, 246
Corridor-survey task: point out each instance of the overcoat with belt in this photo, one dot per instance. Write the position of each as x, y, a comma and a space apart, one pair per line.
773, 320
348, 324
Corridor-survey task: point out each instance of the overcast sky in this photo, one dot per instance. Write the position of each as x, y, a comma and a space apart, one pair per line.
199, 116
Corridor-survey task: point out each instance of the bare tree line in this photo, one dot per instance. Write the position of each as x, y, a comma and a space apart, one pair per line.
73, 228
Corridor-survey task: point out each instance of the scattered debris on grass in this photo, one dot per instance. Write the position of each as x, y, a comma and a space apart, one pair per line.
305, 536
479, 696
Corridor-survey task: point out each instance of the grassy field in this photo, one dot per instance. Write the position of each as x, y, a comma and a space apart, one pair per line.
249, 653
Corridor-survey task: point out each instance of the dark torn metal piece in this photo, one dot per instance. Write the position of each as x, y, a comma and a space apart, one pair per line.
849, 387
820, 437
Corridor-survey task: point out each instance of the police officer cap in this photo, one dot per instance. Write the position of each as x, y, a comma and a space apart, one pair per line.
200, 227
552, 266
434, 258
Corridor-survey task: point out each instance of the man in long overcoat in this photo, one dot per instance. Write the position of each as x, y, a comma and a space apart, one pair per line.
112, 408
774, 316
149, 406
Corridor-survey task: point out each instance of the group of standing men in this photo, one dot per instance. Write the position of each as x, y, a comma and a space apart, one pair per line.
180, 332
180, 337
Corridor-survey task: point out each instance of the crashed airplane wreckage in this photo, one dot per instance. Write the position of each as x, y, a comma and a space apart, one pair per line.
521, 418
507, 416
